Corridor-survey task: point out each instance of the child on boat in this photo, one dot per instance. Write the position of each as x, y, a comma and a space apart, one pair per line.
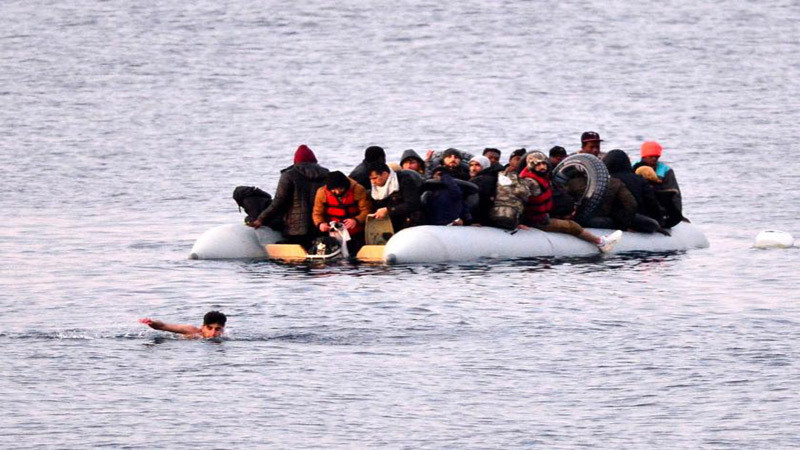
213, 326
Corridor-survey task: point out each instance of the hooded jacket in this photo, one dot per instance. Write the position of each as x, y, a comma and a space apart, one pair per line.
619, 166
294, 198
413, 155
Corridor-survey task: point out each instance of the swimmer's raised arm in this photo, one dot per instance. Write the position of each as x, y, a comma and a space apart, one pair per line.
188, 330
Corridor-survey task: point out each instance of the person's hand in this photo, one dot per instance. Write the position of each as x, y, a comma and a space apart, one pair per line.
350, 223
429, 155
255, 224
147, 321
457, 223
523, 227
381, 213
324, 227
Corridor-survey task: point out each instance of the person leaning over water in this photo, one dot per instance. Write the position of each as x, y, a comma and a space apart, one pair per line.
395, 195
540, 202
213, 326
667, 190
294, 198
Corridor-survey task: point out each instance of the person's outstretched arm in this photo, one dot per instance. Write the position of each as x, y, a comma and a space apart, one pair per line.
172, 328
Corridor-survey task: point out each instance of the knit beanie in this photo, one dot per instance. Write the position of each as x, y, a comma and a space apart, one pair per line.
651, 148
304, 155
482, 160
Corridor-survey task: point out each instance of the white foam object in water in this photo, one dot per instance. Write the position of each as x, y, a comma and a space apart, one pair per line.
234, 241
773, 239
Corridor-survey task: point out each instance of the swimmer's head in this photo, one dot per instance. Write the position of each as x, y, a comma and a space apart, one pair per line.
213, 324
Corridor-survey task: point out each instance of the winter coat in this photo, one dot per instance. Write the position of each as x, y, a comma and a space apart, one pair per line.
509, 201
668, 193
358, 210
537, 207
405, 208
414, 155
618, 203
619, 166
294, 198
486, 180
445, 203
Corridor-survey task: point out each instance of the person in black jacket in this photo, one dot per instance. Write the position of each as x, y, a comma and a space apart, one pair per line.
667, 190
395, 195
649, 215
372, 155
294, 198
484, 175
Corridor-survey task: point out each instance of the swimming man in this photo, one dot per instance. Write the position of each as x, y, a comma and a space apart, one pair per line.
213, 326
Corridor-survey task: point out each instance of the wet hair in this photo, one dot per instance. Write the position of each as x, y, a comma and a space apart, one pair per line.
214, 317
558, 151
518, 152
378, 168
489, 149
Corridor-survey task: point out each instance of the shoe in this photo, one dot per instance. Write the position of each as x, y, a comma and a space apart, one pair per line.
609, 241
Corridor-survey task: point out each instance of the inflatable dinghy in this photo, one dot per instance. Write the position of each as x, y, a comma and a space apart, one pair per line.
438, 244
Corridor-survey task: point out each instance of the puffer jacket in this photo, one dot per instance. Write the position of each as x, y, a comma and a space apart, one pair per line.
294, 198
486, 180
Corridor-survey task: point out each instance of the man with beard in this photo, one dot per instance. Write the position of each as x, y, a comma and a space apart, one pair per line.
540, 203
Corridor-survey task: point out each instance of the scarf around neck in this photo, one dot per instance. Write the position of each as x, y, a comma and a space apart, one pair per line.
391, 186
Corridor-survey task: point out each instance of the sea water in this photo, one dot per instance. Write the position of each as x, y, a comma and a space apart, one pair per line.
126, 126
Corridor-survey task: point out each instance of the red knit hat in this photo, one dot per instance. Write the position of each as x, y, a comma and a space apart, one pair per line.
651, 148
304, 155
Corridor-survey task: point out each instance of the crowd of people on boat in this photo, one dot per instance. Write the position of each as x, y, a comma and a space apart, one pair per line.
458, 189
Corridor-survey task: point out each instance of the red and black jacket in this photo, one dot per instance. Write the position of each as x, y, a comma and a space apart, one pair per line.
344, 207
538, 206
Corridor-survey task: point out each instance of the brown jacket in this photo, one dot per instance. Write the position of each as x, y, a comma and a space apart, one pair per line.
320, 204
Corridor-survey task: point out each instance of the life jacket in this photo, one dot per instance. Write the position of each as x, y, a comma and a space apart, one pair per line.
538, 206
344, 207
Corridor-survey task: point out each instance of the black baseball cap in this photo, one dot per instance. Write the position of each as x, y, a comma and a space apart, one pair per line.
590, 136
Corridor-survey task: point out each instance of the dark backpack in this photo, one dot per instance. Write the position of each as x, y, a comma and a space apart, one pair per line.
253, 200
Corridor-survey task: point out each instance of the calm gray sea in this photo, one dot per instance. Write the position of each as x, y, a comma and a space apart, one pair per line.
125, 126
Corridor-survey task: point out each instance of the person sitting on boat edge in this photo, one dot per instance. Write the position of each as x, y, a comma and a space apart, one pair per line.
484, 175
649, 216
342, 200
590, 143
213, 326
540, 202
294, 198
410, 160
372, 155
443, 200
667, 190
395, 195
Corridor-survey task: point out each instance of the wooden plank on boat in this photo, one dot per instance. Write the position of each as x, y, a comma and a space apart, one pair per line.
286, 252
371, 253
378, 231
